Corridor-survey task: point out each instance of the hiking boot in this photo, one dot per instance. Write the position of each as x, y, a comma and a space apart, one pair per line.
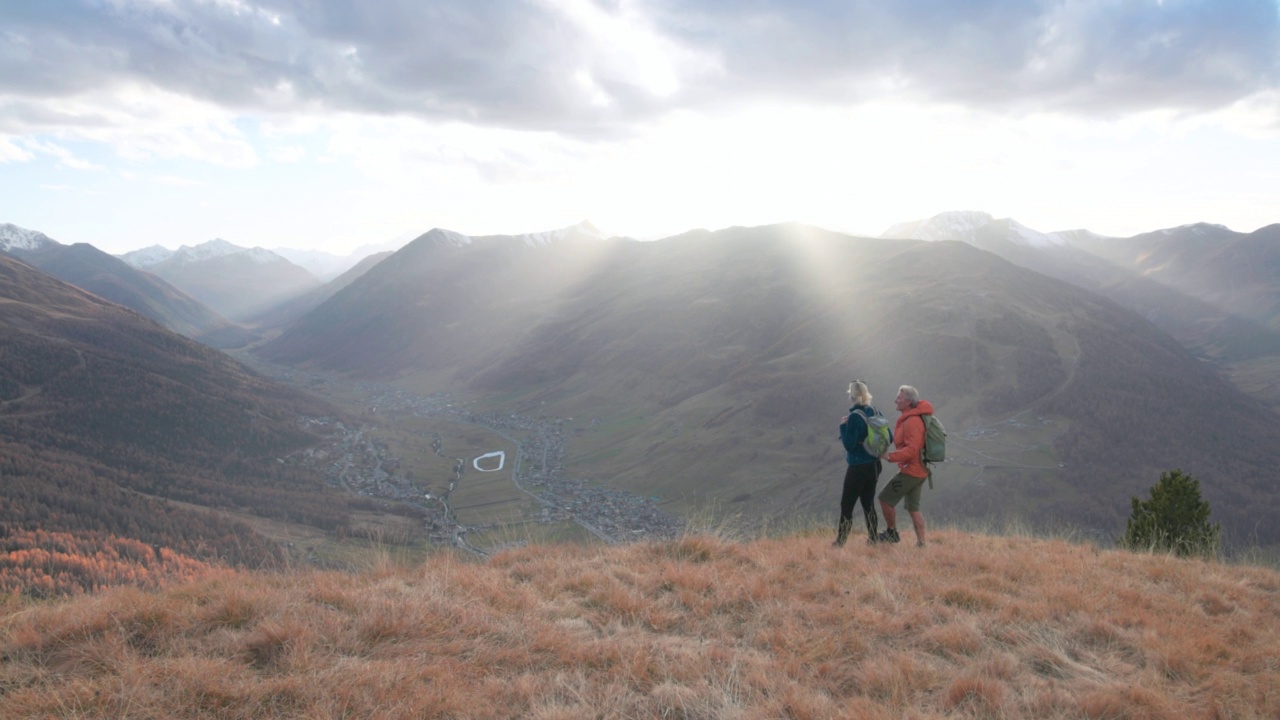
890, 536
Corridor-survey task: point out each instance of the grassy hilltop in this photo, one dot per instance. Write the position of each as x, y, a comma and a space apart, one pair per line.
974, 626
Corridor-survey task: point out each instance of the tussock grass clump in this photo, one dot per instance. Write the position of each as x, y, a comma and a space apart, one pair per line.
973, 626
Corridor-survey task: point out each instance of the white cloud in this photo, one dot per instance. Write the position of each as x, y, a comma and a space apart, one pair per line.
66, 158
288, 154
140, 123
624, 47
176, 181
519, 65
12, 151
1257, 115
650, 117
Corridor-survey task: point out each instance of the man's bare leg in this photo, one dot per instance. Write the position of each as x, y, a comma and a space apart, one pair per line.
917, 519
890, 515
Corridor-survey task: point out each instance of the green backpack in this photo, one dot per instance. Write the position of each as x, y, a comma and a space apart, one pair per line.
935, 440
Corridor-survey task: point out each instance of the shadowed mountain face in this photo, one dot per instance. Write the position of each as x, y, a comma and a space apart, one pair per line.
1235, 272
293, 308
112, 279
103, 410
712, 368
1215, 290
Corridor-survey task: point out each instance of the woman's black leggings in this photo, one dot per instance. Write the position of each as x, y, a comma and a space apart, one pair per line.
859, 484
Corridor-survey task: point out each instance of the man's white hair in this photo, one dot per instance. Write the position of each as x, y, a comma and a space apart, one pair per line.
912, 394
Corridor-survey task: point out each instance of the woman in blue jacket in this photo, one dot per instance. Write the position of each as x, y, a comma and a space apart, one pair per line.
864, 469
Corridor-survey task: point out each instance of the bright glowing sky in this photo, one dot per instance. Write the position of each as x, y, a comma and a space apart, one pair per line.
330, 124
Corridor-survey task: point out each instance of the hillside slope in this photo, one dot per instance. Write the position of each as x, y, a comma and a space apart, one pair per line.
286, 312
103, 412
974, 626
711, 368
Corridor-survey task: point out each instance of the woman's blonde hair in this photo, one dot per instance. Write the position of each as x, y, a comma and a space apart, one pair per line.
859, 393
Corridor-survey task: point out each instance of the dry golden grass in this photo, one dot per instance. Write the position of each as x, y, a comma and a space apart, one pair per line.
974, 626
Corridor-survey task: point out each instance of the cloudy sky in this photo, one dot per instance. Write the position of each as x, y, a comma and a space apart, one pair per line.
336, 123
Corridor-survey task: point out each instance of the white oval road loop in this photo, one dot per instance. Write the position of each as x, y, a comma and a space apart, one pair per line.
502, 461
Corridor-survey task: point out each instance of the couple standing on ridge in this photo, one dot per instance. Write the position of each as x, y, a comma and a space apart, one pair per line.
864, 468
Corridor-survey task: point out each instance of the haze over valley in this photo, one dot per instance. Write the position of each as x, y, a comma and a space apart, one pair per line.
636, 383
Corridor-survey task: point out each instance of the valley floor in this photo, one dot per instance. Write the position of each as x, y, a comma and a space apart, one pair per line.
537, 473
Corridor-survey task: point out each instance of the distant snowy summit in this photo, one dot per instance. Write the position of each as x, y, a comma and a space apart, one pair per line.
449, 238
147, 256
955, 225
967, 226
188, 254
14, 238
442, 237
1198, 229
581, 230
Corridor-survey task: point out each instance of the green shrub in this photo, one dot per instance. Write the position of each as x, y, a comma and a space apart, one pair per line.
1173, 519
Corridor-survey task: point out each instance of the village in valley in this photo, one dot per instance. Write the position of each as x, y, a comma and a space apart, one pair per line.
355, 460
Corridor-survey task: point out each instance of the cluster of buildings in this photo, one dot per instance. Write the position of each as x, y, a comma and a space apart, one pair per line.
613, 515
366, 467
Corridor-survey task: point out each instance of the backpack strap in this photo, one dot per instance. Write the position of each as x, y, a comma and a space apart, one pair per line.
924, 438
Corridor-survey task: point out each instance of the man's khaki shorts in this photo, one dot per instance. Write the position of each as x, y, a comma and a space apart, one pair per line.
903, 486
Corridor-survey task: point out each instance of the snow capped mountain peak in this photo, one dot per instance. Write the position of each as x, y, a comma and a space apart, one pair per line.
440, 236
954, 225
147, 256
1069, 237
542, 239
263, 256
1199, 228
1024, 235
13, 237
967, 226
217, 248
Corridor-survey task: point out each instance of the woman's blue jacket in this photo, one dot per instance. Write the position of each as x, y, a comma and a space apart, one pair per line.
853, 432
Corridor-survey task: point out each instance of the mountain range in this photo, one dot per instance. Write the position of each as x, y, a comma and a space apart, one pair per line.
712, 366
112, 279
237, 282
708, 369
1216, 290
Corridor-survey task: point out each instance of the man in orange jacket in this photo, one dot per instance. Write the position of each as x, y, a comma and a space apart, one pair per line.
908, 439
